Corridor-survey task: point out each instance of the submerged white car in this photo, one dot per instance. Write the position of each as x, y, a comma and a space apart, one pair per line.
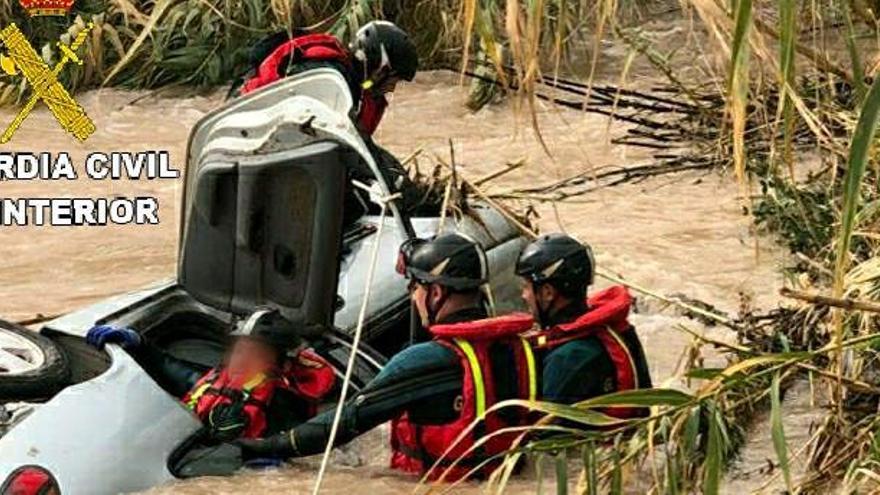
263, 224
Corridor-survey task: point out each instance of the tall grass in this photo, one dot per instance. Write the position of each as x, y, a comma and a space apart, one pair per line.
857, 164
739, 87
815, 85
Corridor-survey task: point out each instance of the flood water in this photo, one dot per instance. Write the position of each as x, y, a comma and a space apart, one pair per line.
682, 233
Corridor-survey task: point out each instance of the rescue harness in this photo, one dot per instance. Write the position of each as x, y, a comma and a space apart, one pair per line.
607, 321
310, 378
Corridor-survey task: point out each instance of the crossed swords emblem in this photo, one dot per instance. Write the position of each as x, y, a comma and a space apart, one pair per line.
44, 82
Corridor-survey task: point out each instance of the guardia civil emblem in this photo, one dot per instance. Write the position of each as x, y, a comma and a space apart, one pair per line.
21, 57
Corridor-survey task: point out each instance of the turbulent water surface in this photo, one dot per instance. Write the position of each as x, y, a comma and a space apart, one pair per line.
682, 233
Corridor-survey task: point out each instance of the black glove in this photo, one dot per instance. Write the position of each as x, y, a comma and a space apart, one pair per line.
227, 422
279, 446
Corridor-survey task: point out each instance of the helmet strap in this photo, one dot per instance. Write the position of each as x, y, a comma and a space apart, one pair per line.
543, 310
487, 299
434, 309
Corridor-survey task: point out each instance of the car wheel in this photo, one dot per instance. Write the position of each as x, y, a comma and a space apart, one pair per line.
31, 366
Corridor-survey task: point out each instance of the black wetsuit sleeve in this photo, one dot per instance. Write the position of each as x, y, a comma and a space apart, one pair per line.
423, 380
285, 412
175, 376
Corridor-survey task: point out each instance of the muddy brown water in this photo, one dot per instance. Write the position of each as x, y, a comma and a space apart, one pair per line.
682, 233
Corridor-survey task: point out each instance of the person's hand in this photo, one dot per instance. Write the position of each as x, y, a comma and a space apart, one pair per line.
100, 335
227, 421
276, 446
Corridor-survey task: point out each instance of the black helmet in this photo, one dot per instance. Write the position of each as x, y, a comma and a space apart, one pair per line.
382, 45
450, 260
559, 260
270, 326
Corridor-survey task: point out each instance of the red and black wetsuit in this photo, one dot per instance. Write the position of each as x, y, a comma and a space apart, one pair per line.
273, 405
591, 349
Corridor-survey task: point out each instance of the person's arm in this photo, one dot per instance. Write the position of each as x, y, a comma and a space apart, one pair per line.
426, 375
174, 375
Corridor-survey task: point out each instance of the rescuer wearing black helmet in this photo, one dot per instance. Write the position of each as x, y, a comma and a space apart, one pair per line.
559, 270
386, 53
587, 345
433, 391
379, 56
449, 267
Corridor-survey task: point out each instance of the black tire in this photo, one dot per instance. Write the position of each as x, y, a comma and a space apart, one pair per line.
41, 382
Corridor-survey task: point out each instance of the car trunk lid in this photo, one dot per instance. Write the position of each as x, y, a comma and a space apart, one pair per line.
265, 230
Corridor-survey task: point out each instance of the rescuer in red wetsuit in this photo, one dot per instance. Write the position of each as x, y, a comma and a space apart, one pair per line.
433, 390
586, 344
258, 390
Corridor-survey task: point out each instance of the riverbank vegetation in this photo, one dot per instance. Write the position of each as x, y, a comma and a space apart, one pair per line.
789, 103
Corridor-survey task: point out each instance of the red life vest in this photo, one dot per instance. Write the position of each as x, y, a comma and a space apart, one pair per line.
310, 378
217, 388
317, 47
415, 448
607, 321
372, 109
311, 47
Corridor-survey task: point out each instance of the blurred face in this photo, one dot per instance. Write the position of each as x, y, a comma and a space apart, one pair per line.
249, 357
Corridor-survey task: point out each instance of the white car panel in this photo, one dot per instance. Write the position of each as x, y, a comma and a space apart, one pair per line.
388, 286
79, 322
113, 433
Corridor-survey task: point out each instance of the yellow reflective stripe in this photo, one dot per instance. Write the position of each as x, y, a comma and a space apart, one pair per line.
530, 365
197, 394
253, 382
246, 389
629, 357
477, 374
542, 340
